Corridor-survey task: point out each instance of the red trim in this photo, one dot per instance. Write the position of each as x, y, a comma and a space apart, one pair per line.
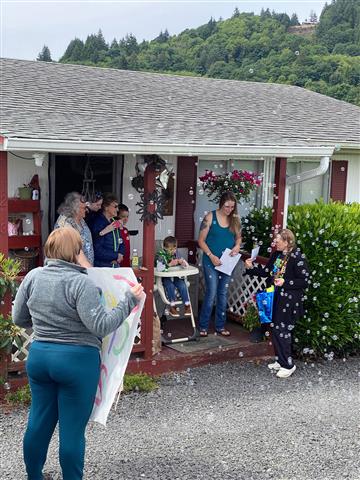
185, 202
148, 262
279, 193
339, 170
4, 210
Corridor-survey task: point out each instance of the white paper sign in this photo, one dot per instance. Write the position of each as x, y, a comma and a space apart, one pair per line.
255, 252
117, 346
228, 262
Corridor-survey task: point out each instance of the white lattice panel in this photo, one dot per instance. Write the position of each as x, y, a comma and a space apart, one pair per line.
241, 289
21, 355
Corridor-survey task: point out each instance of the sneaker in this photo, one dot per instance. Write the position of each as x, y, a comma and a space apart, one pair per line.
173, 312
187, 310
274, 366
286, 372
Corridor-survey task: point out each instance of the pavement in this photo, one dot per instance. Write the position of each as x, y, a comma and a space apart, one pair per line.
227, 421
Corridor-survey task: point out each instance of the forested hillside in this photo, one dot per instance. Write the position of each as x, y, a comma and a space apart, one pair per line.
246, 47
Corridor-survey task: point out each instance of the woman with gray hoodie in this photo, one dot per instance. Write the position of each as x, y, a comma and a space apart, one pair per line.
62, 305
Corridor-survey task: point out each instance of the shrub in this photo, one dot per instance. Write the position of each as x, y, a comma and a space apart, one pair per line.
329, 235
256, 229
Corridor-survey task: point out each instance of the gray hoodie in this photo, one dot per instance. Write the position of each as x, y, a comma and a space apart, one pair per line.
62, 304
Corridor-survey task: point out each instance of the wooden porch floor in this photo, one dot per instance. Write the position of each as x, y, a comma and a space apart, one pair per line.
170, 360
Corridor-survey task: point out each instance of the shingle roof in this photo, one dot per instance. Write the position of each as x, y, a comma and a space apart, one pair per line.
73, 102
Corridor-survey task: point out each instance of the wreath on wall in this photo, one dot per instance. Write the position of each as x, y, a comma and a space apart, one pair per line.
151, 207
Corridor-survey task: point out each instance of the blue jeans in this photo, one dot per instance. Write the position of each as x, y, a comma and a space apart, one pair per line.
217, 285
170, 286
63, 380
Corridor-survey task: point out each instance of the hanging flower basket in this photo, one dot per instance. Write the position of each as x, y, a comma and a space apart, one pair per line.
241, 182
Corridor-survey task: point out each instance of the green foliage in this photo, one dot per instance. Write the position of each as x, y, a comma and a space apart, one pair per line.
329, 235
251, 320
9, 333
139, 382
256, 230
22, 396
9, 271
44, 55
246, 47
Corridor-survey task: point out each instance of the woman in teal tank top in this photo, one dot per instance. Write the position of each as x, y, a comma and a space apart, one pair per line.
219, 230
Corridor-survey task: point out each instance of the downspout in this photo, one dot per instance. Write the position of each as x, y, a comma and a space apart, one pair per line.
302, 177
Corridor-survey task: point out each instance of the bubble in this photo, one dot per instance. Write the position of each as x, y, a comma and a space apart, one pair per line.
297, 53
251, 70
130, 196
201, 191
26, 249
7, 386
28, 221
160, 125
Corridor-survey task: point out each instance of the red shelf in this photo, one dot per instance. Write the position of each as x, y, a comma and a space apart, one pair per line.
16, 205
22, 241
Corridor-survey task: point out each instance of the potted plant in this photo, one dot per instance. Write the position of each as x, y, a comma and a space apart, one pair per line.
25, 192
251, 322
240, 182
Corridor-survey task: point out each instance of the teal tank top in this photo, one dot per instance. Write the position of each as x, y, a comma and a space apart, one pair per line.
218, 239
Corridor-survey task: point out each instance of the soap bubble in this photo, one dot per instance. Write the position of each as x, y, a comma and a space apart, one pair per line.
130, 196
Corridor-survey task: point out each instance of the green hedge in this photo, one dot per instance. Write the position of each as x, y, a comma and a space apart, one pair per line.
329, 235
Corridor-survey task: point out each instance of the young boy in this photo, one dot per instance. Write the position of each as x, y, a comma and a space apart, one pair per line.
165, 258
123, 216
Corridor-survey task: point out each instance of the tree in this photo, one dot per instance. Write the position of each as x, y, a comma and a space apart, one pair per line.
44, 55
74, 51
313, 17
294, 20
236, 13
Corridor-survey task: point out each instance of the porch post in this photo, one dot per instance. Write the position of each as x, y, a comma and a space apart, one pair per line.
3, 204
5, 305
279, 194
148, 262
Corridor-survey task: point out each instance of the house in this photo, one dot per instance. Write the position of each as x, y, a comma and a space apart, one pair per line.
57, 117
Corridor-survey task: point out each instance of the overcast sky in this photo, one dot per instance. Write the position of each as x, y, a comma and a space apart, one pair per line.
28, 25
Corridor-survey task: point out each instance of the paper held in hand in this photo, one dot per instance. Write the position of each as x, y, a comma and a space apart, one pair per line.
228, 263
255, 252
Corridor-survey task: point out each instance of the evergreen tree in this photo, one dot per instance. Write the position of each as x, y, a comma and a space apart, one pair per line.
313, 17
294, 20
44, 55
236, 13
74, 51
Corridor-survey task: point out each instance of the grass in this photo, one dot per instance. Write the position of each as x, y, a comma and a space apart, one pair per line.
139, 382
22, 396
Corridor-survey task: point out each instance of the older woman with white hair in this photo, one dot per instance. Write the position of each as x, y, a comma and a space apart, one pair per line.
72, 212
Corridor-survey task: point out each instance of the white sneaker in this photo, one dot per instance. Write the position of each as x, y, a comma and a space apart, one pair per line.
285, 372
274, 366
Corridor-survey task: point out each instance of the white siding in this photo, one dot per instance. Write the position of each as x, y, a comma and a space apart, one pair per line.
164, 227
20, 171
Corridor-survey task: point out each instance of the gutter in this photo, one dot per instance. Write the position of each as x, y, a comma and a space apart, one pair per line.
116, 148
302, 177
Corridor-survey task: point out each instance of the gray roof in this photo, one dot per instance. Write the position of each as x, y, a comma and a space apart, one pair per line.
74, 102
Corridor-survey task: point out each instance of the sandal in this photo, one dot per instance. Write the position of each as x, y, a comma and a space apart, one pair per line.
203, 333
223, 332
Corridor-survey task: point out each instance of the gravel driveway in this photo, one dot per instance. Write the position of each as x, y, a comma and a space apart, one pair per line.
228, 421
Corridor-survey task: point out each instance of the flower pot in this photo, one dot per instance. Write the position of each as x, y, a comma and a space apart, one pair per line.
25, 193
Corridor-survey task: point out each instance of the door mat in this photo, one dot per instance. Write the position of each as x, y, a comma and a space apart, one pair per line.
211, 342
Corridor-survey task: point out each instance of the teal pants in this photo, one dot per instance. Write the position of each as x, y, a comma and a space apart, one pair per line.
63, 380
